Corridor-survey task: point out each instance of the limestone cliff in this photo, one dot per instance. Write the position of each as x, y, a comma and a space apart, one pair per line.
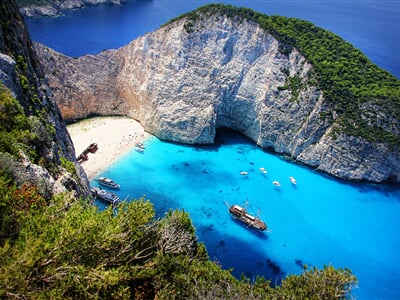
195, 75
56, 7
22, 74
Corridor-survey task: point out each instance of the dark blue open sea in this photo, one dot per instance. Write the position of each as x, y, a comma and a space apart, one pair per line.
319, 221
371, 26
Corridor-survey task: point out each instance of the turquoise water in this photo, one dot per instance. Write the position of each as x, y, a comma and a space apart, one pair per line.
319, 221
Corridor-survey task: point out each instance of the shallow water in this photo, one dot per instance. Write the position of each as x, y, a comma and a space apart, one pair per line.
317, 222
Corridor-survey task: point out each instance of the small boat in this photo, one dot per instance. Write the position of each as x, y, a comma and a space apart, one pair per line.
262, 170
139, 145
241, 214
293, 180
276, 183
106, 196
108, 183
140, 150
243, 173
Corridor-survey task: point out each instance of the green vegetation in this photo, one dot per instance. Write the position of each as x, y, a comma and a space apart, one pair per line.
15, 205
188, 27
23, 138
68, 165
16, 132
295, 85
23, 67
31, 134
350, 81
70, 250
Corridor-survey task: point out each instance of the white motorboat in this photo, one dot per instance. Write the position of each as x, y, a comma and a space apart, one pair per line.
105, 195
276, 183
104, 181
263, 170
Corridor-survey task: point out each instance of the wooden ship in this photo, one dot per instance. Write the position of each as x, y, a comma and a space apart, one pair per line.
242, 215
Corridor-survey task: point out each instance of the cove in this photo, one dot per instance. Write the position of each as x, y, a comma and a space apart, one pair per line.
319, 221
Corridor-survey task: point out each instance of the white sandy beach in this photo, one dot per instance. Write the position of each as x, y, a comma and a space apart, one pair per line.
115, 136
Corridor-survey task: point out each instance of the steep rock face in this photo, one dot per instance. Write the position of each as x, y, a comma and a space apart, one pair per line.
55, 7
225, 74
22, 74
187, 79
84, 86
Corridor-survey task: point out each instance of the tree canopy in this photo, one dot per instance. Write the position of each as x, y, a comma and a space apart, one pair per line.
71, 250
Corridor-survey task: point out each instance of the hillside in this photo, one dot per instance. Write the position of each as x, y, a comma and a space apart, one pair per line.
35, 146
288, 85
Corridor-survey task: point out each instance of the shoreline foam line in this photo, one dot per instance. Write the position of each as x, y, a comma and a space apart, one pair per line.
115, 136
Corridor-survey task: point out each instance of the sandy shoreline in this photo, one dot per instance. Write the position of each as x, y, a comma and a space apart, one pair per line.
115, 136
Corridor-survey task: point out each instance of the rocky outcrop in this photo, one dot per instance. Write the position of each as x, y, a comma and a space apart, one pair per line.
86, 84
54, 8
189, 78
22, 74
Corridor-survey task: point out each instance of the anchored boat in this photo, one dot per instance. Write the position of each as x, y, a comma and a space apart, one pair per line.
105, 195
263, 170
242, 215
108, 183
139, 149
276, 183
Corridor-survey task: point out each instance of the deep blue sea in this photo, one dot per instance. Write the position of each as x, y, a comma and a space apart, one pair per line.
371, 26
317, 222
